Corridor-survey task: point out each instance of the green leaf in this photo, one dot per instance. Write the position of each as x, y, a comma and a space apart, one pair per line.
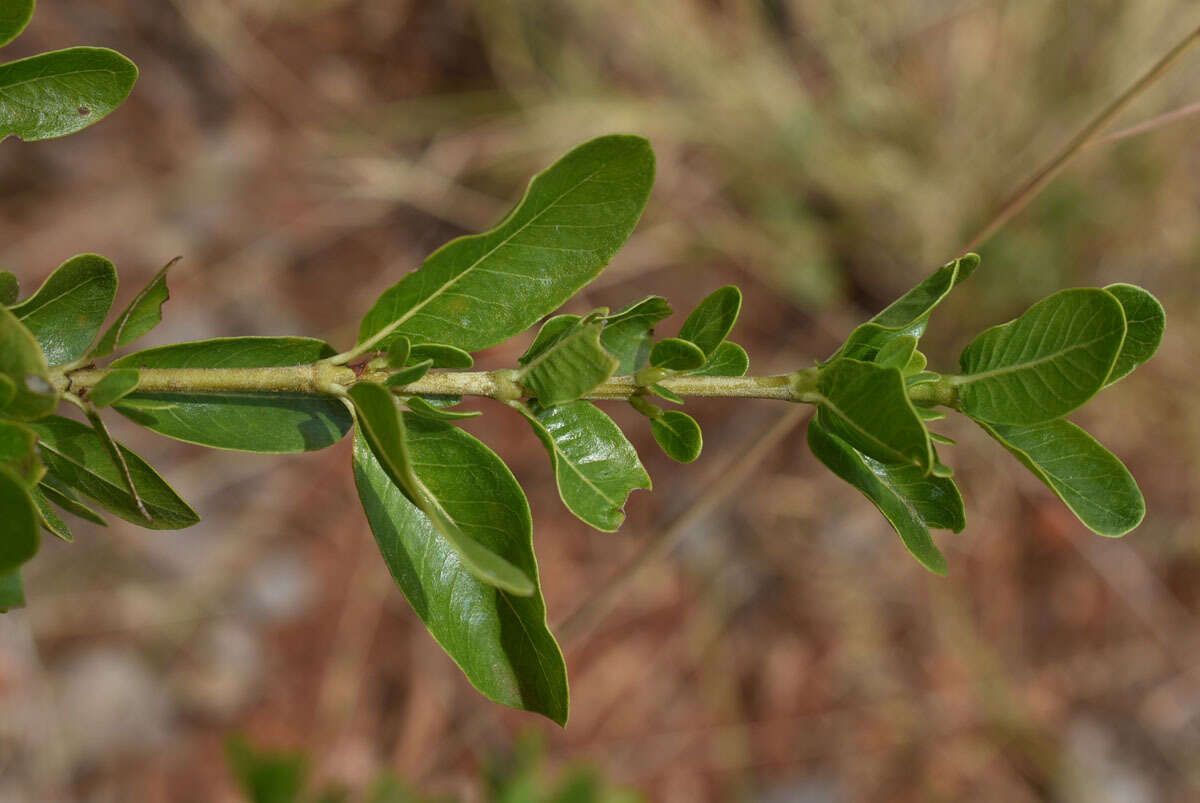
916, 364
678, 435
897, 352
19, 522
12, 594
398, 352
929, 414
549, 333
77, 457
500, 641
478, 291
383, 425
570, 366
14, 16
729, 359
1145, 320
139, 317
677, 354
10, 288
423, 408
406, 376
911, 503
58, 93
867, 406
913, 307
628, 332
712, 320
1088, 478
267, 776
246, 421
18, 452
443, 356
54, 491
114, 387
1044, 364
24, 368
50, 520
595, 465
68, 309
663, 392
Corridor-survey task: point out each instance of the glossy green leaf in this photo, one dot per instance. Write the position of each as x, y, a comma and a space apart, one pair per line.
1088, 478
569, 367
911, 502
677, 354
1145, 320
867, 406
713, 319
897, 352
729, 359
423, 408
114, 387
12, 593
551, 330
500, 641
399, 351
30, 394
50, 520
58, 93
76, 456
245, 421
14, 16
628, 332
383, 426
406, 376
595, 465
678, 435
54, 491
10, 288
19, 522
478, 291
68, 309
443, 356
139, 317
1044, 364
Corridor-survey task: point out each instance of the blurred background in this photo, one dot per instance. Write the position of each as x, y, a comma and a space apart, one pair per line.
823, 154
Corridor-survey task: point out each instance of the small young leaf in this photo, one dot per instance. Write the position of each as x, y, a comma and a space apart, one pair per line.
1145, 320
867, 406
443, 356
916, 364
10, 288
627, 332
28, 389
936, 438
384, 429
50, 520
677, 354
478, 291
14, 16
399, 351
246, 421
426, 410
713, 319
1088, 478
913, 308
678, 435
18, 452
500, 641
139, 317
54, 491
76, 456
406, 376
929, 414
1044, 364
911, 503
595, 465
897, 352
68, 309
570, 366
58, 93
665, 393
19, 522
12, 593
552, 329
114, 387
729, 359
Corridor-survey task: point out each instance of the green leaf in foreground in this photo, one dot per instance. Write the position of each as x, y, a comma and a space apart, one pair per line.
677, 354
729, 359
54, 491
595, 465
1044, 364
69, 308
478, 291
50, 520
19, 522
12, 593
913, 308
18, 452
27, 386
1088, 478
570, 366
139, 317
911, 502
383, 426
10, 288
500, 641
1145, 320
409, 374
58, 93
244, 420
713, 319
114, 387
678, 435
76, 456
443, 356
14, 16
628, 332
426, 410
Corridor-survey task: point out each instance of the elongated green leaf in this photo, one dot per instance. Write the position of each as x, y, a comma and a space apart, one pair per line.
12, 593
10, 288
1145, 320
551, 331
867, 406
443, 356
713, 319
139, 317
114, 387
570, 366
246, 421
1044, 364
663, 392
14, 16
76, 456
28, 387
595, 465
406, 376
678, 435
68, 309
500, 641
58, 93
729, 359
382, 424
54, 491
50, 520
677, 354
897, 352
423, 408
910, 502
1088, 478
628, 332
478, 291
19, 522
914, 306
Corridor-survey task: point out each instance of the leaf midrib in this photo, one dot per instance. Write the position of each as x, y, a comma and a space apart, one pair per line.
966, 379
